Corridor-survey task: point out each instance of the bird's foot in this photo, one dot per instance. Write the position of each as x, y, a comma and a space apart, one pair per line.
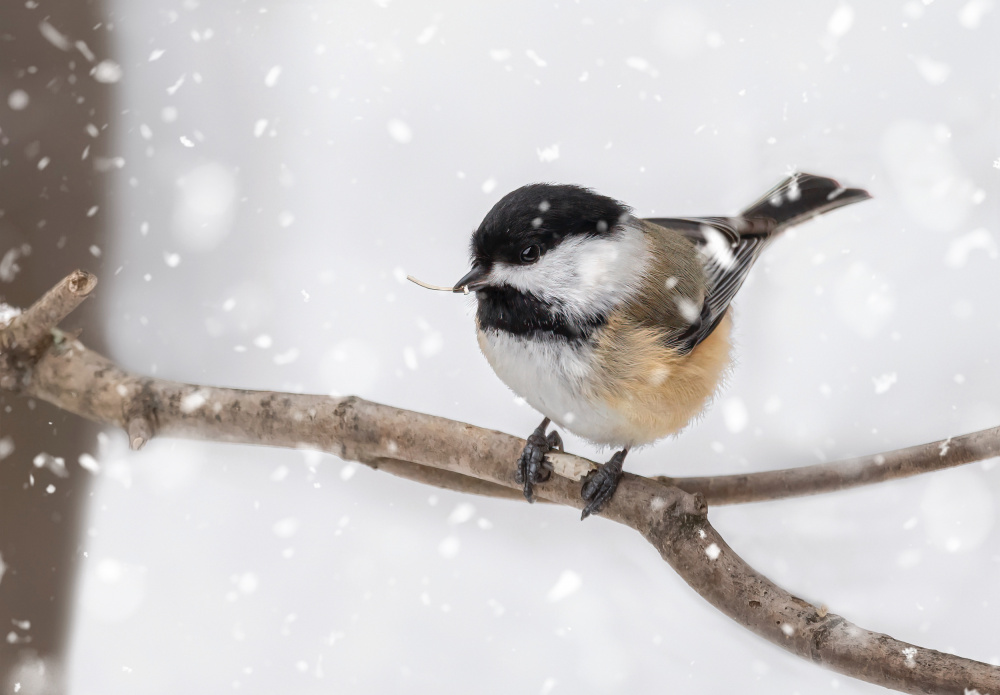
532, 467
600, 485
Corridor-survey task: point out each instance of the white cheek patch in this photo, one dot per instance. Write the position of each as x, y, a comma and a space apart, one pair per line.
583, 276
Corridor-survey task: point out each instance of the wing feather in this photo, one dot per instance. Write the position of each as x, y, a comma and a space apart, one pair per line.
729, 246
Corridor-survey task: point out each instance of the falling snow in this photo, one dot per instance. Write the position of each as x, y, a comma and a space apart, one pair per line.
54, 36
427, 35
548, 154
534, 58
192, 401
735, 415
286, 357
569, 583
272, 76
329, 172
399, 131
449, 547
7, 313
462, 513
54, 464
935, 72
89, 463
960, 249
840, 21
9, 268
18, 100
107, 72
642, 65
884, 382
972, 13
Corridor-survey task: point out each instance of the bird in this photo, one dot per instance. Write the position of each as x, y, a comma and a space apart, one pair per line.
614, 327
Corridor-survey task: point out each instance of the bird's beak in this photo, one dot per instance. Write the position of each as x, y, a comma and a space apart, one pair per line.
475, 279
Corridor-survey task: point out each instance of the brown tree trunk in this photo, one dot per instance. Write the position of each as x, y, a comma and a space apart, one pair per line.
54, 140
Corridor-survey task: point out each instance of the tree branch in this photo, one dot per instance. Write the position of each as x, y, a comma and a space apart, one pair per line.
25, 331
412, 444
841, 475
26, 335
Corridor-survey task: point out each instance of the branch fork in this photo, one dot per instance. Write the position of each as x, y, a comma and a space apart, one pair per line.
670, 513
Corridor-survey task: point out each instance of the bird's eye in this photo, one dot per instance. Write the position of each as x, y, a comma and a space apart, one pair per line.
530, 254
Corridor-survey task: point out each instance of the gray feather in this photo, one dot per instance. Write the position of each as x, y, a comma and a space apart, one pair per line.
729, 246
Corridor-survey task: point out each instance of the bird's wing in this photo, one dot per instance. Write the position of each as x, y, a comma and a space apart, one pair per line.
730, 245
728, 248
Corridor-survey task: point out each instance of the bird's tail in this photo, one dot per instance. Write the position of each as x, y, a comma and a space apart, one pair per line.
799, 198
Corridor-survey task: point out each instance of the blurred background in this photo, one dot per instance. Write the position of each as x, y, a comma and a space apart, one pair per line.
253, 181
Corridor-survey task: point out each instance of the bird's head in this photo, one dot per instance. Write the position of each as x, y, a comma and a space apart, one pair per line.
563, 245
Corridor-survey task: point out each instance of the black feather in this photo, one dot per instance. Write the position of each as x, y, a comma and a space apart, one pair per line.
801, 197
542, 214
521, 313
731, 245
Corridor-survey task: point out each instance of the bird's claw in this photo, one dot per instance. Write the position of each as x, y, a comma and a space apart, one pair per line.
599, 486
554, 440
532, 467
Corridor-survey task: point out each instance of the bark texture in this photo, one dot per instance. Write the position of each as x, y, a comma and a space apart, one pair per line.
434, 449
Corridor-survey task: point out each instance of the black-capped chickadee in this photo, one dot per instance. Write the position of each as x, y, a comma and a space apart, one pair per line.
613, 327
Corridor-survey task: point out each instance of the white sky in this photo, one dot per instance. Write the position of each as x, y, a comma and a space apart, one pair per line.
286, 162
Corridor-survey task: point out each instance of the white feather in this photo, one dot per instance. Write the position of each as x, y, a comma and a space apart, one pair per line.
552, 375
583, 276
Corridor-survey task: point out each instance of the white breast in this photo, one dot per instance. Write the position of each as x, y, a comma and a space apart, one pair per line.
552, 375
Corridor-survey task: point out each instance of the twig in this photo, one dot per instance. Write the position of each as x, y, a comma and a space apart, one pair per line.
673, 521
25, 331
448, 480
841, 475
26, 335
139, 432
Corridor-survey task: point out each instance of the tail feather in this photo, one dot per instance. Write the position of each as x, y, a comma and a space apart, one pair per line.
801, 197
792, 201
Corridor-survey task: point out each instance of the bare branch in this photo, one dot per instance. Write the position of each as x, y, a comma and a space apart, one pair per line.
26, 335
139, 432
841, 475
413, 444
28, 330
447, 480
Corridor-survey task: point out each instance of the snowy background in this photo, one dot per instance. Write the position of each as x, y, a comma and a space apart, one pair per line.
284, 164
